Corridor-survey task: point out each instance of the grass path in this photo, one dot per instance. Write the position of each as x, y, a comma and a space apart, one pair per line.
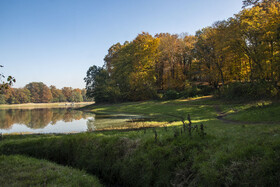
223, 116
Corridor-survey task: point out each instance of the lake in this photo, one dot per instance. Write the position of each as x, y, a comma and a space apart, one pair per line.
59, 120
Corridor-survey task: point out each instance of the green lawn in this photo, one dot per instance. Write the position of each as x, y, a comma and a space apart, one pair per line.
230, 154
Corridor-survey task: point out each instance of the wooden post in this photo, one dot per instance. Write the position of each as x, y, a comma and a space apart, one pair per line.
175, 132
155, 135
190, 124
202, 130
189, 119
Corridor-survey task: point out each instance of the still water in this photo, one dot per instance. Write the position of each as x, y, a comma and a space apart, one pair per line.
59, 120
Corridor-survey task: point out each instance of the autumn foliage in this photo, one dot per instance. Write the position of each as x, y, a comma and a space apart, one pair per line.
243, 48
38, 92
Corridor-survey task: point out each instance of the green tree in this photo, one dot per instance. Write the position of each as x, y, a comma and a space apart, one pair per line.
77, 95
119, 65
57, 94
85, 97
100, 86
131, 68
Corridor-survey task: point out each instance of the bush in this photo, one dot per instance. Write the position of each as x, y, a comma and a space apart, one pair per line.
171, 94
205, 90
248, 91
199, 90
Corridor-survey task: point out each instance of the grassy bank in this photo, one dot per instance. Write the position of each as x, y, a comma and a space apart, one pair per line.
23, 171
264, 112
230, 154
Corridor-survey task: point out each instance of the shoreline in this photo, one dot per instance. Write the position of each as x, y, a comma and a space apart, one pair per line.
45, 105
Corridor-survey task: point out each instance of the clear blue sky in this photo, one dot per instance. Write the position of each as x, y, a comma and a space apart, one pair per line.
56, 41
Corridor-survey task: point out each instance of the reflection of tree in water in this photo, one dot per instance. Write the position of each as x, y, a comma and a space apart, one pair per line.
21, 117
5, 120
116, 121
38, 118
102, 122
90, 125
57, 113
71, 115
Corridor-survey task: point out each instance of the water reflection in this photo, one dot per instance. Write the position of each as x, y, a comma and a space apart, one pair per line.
39, 118
91, 125
116, 121
60, 120
12, 120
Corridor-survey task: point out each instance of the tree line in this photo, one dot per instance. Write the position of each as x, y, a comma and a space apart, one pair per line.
243, 48
38, 92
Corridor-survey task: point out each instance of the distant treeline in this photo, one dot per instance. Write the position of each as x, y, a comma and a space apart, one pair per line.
243, 48
38, 92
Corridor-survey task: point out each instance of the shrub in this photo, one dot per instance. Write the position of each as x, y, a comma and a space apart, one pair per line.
206, 90
171, 94
248, 91
199, 90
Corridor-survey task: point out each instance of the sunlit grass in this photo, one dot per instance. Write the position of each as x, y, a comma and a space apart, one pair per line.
160, 110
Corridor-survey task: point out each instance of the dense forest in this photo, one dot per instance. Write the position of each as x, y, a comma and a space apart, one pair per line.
38, 92
233, 56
